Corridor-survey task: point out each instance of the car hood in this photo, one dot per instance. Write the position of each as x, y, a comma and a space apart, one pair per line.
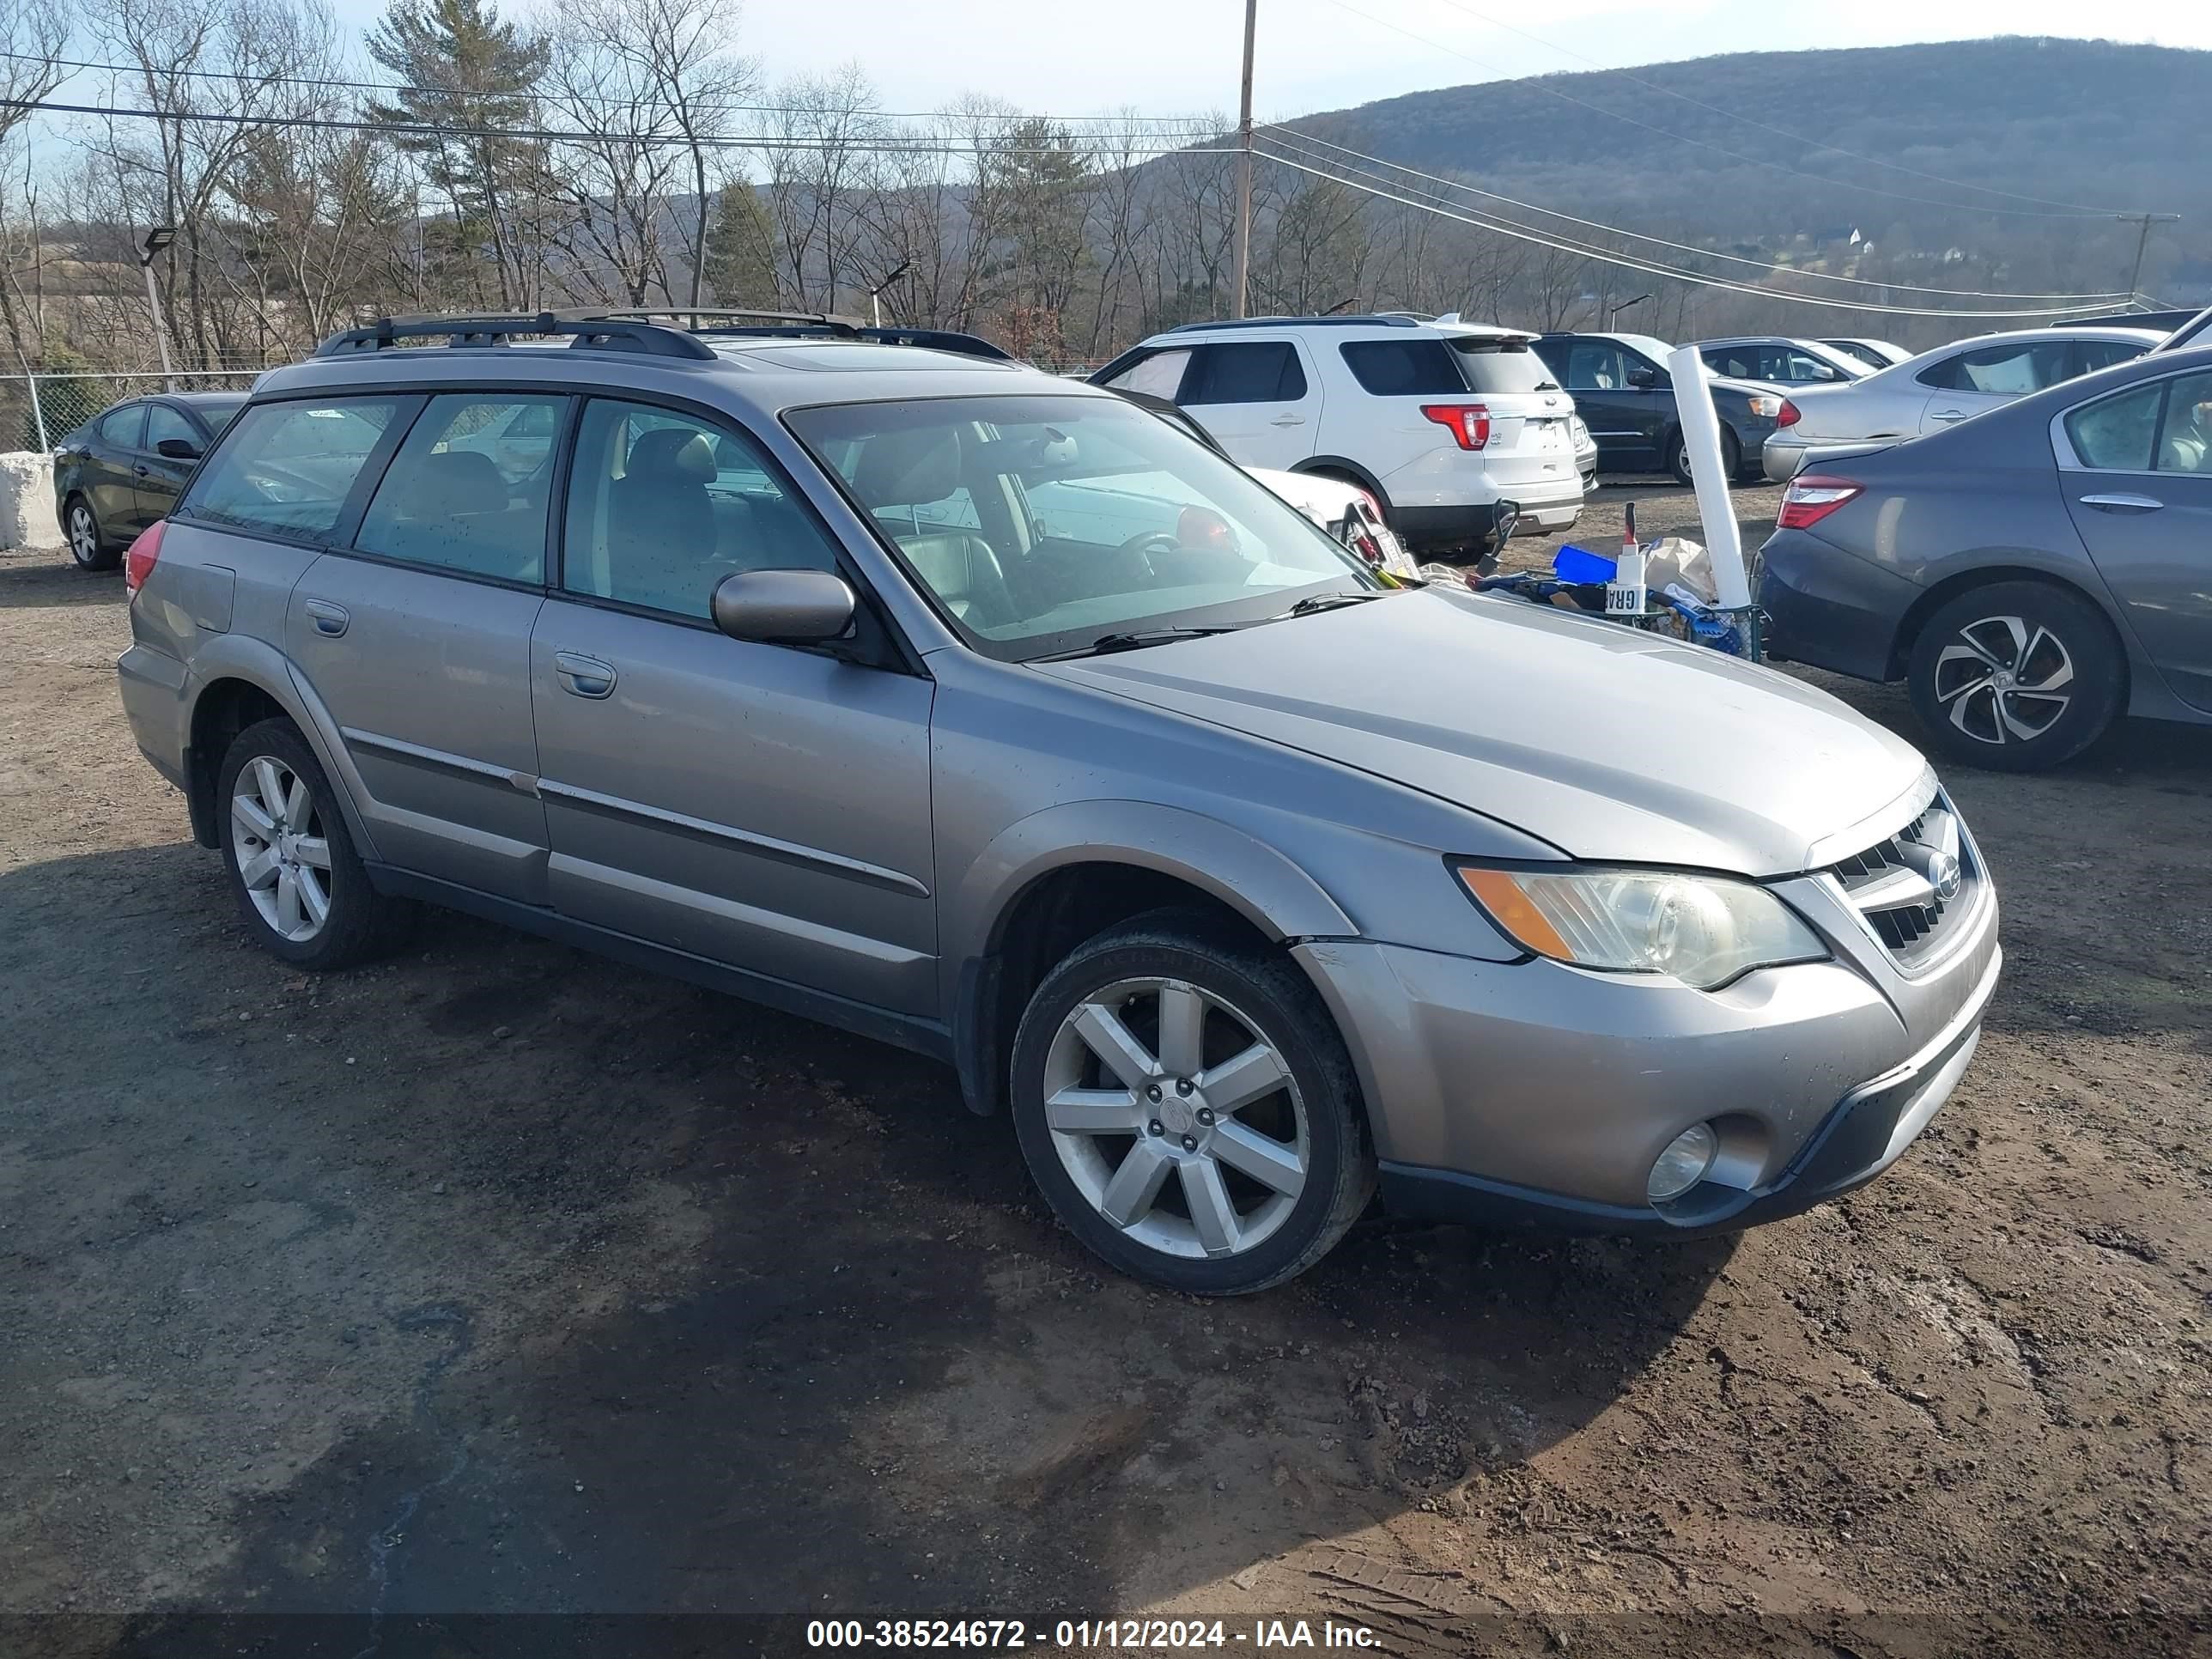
1607, 742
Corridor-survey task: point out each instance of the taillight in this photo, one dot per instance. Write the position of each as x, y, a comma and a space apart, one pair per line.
1789, 413
1811, 497
1468, 423
139, 563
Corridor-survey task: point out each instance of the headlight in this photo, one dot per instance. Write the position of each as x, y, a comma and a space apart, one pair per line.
1702, 930
1765, 408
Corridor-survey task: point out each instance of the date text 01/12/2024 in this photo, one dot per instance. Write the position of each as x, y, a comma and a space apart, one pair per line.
1087, 1633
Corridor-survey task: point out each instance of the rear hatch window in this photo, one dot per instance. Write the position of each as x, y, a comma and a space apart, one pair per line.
1499, 367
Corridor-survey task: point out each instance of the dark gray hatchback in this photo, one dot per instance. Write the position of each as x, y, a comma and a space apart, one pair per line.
2032, 574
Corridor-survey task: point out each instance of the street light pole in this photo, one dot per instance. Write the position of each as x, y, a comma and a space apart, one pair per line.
157, 239
1613, 312
1242, 285
876, 295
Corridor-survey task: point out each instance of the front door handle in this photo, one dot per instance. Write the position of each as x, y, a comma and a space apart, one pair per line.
142, 470
331, 620
1948, 415
2122, 503
583, 677
1288, 420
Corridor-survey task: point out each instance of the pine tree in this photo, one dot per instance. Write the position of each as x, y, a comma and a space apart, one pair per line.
741, 247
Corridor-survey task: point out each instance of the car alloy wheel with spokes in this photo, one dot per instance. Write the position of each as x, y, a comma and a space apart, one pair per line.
284, 857
2002, 680
84, 542
1184, 1100
1175, 1119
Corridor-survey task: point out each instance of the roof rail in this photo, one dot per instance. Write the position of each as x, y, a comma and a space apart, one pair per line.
747, 321
593, 331
1387, 320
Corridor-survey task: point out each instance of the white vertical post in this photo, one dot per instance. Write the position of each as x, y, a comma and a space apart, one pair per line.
1701, 442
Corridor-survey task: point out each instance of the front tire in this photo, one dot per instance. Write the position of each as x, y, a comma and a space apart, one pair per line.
1678, 459
2016, 676
1185, 1103
300, 885
87, 545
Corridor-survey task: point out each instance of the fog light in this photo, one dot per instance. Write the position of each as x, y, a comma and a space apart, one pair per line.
1684, 1164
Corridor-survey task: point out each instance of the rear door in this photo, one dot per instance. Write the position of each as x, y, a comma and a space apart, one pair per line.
765, 806
1626, 418
1969, 383
108, 476
416, 635
1259, 398
2136, 467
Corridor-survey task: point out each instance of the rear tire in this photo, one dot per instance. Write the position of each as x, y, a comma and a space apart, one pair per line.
88, 546
300, 885
2016, 676
1227, 1131
1678, 459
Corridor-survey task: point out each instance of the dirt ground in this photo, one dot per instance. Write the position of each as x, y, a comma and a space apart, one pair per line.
498, 1279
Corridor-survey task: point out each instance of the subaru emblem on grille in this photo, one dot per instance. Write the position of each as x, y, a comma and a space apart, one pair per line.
1943, 875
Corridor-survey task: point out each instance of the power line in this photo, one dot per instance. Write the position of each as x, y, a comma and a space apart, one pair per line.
1718, 149
1652, 268
750, 140
1309, 141
1750, 120
1163, 125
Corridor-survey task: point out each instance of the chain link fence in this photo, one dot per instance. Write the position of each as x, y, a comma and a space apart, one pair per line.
38, 410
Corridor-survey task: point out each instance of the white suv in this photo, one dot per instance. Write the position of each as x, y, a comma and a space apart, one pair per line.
1440, 422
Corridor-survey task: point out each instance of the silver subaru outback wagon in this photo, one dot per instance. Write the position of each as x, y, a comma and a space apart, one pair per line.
988, 715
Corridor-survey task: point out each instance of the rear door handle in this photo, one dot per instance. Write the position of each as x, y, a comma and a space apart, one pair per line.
331, 620
583, 677
1948, 415
2122, 503
142, 471
1288, 420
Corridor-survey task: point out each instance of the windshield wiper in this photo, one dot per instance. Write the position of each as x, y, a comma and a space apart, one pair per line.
1313, 602
1105, 644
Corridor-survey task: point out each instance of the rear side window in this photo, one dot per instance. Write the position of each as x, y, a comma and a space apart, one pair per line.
1403, 369
1158, 374
121, 427
2116, 434
1491, 366
2013, 370
467, 491
2103, 354
287, 468
1247, 372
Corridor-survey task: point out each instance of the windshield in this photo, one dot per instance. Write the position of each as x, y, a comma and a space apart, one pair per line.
1043, 524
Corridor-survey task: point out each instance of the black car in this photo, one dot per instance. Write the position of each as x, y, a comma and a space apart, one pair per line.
1624, 394
2031, 573
123, 469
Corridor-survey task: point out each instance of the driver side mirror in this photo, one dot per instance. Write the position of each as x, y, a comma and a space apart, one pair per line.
177, 449
1644, 375
784, 607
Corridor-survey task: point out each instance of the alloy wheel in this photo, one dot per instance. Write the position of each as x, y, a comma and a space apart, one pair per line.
283, 856
83, 534
1177, 1119
2001, 680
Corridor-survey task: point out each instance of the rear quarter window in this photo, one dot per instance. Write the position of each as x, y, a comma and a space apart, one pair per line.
1404, 368
286, 469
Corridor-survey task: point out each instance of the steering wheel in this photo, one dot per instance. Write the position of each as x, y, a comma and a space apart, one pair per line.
266, 474
1146, 543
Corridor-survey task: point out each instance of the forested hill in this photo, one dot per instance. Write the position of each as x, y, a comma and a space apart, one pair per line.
2067, 121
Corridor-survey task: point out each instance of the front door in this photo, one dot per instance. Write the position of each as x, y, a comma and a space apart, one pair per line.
1626, 418
418, 642
2140, 493
759, 806
1257, 400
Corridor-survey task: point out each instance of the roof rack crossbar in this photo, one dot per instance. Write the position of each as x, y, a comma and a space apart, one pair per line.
591, 331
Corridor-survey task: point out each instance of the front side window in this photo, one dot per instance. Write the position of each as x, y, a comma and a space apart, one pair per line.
1157, 375
1247, 372
2185, 444
455, 498
1098, 520
1597, 366
164, 422
663, 505
287, 468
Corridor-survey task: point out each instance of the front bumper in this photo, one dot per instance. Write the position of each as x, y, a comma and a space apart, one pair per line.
1539, 1093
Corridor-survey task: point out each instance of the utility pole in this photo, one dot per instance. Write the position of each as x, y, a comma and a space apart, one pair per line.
1244, 162
2142, 241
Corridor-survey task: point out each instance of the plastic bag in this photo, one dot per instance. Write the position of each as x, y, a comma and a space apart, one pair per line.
1673, 561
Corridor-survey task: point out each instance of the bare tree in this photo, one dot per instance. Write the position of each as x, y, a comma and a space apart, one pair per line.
33, 33
820, 135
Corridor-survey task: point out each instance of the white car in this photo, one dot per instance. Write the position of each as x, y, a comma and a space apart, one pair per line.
1942, 388
1439, 422
1780, 360
1874, 354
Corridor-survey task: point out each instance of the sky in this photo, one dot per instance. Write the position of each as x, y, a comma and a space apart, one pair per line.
1162, 56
